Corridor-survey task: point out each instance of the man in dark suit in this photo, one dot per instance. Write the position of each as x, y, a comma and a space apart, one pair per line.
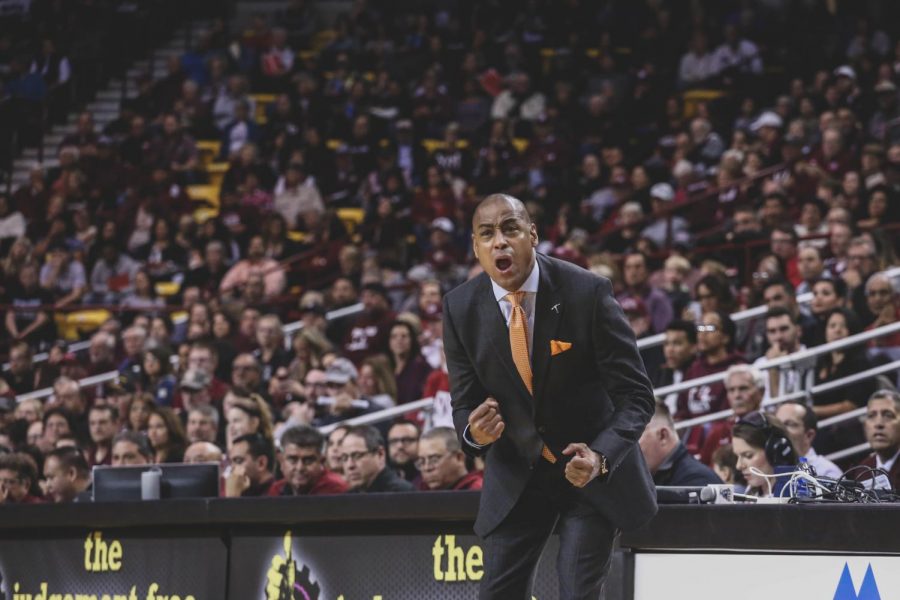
548, 385
882, 427
666, 456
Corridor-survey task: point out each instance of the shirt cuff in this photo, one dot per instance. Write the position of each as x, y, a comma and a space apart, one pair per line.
470, 441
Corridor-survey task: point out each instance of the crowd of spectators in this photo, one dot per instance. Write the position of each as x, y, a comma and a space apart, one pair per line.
685, 151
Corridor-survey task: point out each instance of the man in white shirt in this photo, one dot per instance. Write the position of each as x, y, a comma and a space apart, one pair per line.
801, 426
783, 334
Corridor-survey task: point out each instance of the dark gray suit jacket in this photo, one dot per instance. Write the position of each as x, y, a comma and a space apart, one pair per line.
595, 392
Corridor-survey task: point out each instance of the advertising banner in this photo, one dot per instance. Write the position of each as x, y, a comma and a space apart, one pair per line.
102, 565
740, 575
288, 566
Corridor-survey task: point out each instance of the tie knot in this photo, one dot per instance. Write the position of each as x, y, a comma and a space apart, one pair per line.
515, 298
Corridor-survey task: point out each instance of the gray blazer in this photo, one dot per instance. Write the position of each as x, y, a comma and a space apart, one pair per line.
595, 391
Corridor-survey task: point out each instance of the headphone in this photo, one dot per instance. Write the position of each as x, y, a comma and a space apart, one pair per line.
778, 448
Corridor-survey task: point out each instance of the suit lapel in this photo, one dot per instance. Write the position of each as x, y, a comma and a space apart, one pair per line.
548, 312
492, 326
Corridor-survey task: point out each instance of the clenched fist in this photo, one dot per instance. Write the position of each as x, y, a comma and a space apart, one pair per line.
485, 422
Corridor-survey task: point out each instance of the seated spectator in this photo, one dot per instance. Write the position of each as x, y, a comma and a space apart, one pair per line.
133, 340
252, 459
67, 393
679, 350
637, 285
744, 386
761, 444
27, 318
409, 366
443, 463
202, 424
255, 263
303, 466
365, 463
270, 353
63, 276
667, 458
21, 376
156, 376
882, 427
112, 275
296, 195
841, 323
342, 401
828, 295
166, 435
811, 267
715, 343
202, 452
245, 415
103, 422
18, 478
783, 335
139, 410
724, 464
884, 303
403, 450
333, 449
659, 231
66, 474
246, 375
376, 381
801, 425
370, 329
131, 448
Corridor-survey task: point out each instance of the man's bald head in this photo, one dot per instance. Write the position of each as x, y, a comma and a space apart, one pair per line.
506, 199
504, 239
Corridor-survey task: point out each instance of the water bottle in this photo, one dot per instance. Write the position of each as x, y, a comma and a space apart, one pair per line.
802, 487
150, 484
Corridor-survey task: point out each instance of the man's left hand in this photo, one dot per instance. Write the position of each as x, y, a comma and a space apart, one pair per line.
584, 466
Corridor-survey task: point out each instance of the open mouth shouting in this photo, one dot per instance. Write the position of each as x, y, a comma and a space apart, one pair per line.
504, 264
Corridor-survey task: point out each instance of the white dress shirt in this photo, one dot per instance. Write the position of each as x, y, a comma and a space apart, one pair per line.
530, 287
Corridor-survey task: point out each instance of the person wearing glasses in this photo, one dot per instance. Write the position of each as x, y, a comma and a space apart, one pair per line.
303, 465
403, 449
443, 463
715, 343
365, 463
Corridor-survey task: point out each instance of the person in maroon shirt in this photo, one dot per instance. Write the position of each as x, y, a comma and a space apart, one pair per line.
303, 465
369, 332
715, 342
443, 463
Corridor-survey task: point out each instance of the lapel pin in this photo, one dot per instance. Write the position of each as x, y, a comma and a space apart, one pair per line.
555, 308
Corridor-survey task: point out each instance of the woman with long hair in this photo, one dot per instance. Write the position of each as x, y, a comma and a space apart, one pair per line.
247, 414
376, 382
156, 376
166, 435
309, 346
139, 410
409, 366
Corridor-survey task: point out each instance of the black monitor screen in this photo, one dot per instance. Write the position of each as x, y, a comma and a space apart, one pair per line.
199, 480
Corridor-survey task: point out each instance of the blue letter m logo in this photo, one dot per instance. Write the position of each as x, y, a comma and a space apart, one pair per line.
847, 591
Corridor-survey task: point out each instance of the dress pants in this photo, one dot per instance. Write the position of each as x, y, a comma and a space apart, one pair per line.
513, 549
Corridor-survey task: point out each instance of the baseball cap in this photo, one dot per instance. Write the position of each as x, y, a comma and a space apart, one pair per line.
377, 288
444, 224
845, 71
340, 371
767, 119
885, 87
663, 191
194, 380
634, 306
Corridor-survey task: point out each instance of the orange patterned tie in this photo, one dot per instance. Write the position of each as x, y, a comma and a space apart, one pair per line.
518, 343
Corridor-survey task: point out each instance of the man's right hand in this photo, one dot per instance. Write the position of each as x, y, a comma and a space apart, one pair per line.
485, 423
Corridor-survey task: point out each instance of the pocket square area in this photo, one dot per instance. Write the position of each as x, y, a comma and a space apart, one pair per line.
558, 346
